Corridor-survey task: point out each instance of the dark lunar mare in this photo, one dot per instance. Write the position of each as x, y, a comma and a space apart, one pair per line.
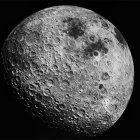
92, 47
76, 27
120, 37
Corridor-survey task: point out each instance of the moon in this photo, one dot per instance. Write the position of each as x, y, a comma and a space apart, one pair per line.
71, 67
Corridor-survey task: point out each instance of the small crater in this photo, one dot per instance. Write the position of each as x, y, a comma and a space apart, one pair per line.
32, 92
103, 90
74, 108
67, 67
31, 86
50, 82
38, 97
47, 91
105, 76
81, 112
95, 53
61, 107
70, 74
92, 38
101, 86
54, 67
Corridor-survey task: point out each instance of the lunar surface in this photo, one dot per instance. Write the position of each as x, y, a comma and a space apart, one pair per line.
71, 67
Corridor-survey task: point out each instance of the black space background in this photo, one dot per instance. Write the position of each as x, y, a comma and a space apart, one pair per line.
16, 122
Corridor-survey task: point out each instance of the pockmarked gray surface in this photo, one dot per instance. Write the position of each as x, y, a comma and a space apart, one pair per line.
71, 67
